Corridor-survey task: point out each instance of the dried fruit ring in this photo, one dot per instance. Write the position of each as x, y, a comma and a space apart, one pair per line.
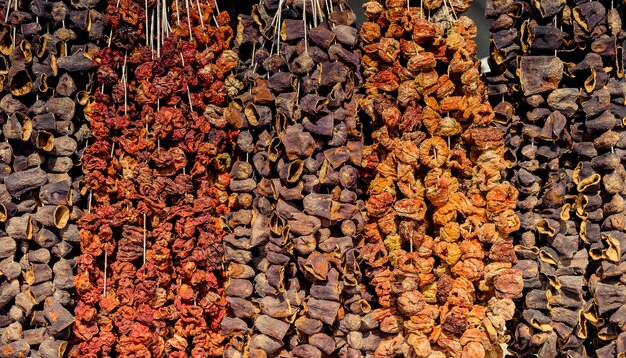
434, 152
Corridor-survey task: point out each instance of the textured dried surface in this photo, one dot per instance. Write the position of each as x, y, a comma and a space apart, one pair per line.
438, 251
149, 278
565, 130
45, 54
294, 280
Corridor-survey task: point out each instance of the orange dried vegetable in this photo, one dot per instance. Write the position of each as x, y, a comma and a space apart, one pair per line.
438, 207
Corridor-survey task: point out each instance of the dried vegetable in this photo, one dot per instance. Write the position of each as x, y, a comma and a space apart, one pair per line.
438, 248
294, 280
557, 77
45, 52
149, 280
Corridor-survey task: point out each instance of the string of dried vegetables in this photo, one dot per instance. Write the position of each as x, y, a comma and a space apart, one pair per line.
149, 279
294, 280
438, 249
45, 51
557, 77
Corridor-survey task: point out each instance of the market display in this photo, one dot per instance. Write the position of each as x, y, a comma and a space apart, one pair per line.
273, 178
149, 279
557, 76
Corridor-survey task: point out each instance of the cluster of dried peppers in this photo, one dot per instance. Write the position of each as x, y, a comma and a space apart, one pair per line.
45, 51
442, 253
438, 249
149, 280
557, 76
294, 280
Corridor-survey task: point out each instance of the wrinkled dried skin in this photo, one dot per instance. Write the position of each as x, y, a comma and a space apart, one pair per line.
150, 278
42, 198
567, 242
539, 74
303, 211
435, 244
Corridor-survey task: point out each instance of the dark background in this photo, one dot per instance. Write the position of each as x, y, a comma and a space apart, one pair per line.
476, 13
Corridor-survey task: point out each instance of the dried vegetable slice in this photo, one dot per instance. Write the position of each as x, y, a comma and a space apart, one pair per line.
438, 250
45, 59
294, 280
149, 279
558, 82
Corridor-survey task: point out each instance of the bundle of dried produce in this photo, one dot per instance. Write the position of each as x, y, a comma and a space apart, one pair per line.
558, 81
438, 248
294, 280
45, 54
150, 273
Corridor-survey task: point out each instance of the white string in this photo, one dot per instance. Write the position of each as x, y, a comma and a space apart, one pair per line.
298, 92
555, 53
6, 16
275, 25
106, 263
159, 27
188, 20
279, 24
320, 11
145, 5
253, 52
201, 15
449, 3
166, 23
144, 240
306, 40
152, 36
110, 33
189, 95
125, 81
177, 14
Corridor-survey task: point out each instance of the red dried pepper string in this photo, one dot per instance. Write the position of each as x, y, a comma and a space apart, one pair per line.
167, 173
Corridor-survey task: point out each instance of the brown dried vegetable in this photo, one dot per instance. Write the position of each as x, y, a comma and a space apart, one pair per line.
45, 54
438, 252
294, 280
558, 81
